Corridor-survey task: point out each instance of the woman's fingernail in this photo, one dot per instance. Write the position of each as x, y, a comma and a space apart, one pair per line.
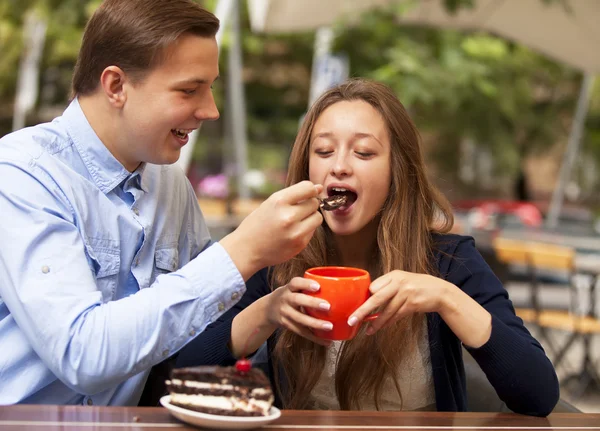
328, 326
324, 306
352, 321
314, 286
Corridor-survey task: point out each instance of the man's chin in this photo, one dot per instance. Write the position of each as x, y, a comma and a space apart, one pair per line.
166, 159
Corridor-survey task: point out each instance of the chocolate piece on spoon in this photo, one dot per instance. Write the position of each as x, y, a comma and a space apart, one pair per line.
333, 202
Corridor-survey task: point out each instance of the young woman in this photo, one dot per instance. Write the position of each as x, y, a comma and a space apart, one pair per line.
434, 291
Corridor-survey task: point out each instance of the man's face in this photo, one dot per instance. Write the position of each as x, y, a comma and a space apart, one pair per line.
171, 101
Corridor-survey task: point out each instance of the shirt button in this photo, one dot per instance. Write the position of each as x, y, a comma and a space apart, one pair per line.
90, 402
136, 211
234, 296
221, 306
165, 353
192, 332
45, 269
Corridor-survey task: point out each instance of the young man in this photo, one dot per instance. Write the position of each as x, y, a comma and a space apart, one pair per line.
105, 268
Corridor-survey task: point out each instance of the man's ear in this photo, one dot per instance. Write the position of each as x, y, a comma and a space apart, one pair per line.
112, 82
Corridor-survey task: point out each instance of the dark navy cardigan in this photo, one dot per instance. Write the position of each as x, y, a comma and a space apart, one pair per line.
513, 361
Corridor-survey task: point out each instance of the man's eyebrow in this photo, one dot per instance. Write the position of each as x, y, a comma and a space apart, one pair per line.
197, 81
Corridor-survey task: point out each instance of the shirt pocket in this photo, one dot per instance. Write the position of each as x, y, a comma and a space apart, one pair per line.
105, 263
166, 259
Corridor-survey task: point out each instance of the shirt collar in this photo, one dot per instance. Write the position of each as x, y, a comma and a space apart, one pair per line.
105, 170
137, 179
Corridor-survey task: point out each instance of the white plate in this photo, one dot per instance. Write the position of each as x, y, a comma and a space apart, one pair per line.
218, 421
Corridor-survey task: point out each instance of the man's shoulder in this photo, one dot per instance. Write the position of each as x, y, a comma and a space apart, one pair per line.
32, 143
168, 177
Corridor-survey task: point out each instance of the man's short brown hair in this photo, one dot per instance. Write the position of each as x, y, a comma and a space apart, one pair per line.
134, 35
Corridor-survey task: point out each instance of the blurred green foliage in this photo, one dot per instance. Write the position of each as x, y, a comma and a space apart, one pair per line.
457, 85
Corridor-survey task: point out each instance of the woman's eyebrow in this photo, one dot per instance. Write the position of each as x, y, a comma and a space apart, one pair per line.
362, 135
357, 135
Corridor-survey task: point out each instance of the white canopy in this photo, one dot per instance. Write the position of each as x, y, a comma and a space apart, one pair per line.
569, 34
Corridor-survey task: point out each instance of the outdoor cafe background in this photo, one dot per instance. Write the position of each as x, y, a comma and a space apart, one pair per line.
504, 95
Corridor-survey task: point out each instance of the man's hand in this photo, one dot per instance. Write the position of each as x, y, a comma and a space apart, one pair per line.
277, 230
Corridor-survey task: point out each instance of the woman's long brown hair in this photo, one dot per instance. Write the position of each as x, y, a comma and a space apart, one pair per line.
413, 209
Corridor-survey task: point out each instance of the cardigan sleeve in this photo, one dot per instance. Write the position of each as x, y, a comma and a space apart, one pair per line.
512, 359
211, 346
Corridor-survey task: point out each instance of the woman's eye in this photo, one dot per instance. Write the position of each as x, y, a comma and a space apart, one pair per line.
323, 152
364, 153
189, 92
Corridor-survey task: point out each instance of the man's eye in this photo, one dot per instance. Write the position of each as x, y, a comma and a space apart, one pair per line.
189, 92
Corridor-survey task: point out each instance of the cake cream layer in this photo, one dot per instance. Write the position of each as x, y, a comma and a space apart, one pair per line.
222, 375
221, 390
209, 403
192, 387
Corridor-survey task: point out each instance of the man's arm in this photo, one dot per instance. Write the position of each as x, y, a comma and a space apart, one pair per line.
277, 230
51, 292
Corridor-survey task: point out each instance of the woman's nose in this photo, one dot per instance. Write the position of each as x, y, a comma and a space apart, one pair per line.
341, 166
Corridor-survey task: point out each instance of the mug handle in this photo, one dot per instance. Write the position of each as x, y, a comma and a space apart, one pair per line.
371, 317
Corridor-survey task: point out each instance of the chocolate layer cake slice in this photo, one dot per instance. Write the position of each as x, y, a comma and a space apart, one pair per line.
221, 391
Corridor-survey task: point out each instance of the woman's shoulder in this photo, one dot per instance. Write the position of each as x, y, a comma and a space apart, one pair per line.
452, 244
455, 254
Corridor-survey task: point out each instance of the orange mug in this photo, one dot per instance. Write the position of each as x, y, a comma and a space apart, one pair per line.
345, 289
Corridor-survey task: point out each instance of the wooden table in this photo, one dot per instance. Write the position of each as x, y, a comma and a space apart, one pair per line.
67, 418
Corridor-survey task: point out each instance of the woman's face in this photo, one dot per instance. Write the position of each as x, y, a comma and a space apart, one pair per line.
350, 154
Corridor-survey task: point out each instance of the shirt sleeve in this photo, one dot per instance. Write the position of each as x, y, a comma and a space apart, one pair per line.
50, 291
513, 360
197, 236
211, 347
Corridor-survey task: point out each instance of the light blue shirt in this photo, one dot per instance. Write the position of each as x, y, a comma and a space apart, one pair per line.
101, 275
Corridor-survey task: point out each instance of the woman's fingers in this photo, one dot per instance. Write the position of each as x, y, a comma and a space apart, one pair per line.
297, 299
303, 331
378, 300
305, 320
389, 314
299, 284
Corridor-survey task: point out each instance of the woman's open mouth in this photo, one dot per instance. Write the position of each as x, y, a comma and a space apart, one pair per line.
350, 197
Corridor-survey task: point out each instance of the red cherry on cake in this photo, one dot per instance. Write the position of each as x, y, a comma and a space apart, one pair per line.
243, 365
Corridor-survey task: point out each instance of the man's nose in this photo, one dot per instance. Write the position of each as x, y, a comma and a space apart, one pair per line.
208, 110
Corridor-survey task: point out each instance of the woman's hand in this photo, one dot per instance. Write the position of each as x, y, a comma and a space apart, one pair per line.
400, 293
285, 305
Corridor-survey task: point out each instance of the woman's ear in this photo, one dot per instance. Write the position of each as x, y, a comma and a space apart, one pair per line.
112, 82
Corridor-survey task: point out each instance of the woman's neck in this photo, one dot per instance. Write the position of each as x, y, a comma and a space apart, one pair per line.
356, 250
